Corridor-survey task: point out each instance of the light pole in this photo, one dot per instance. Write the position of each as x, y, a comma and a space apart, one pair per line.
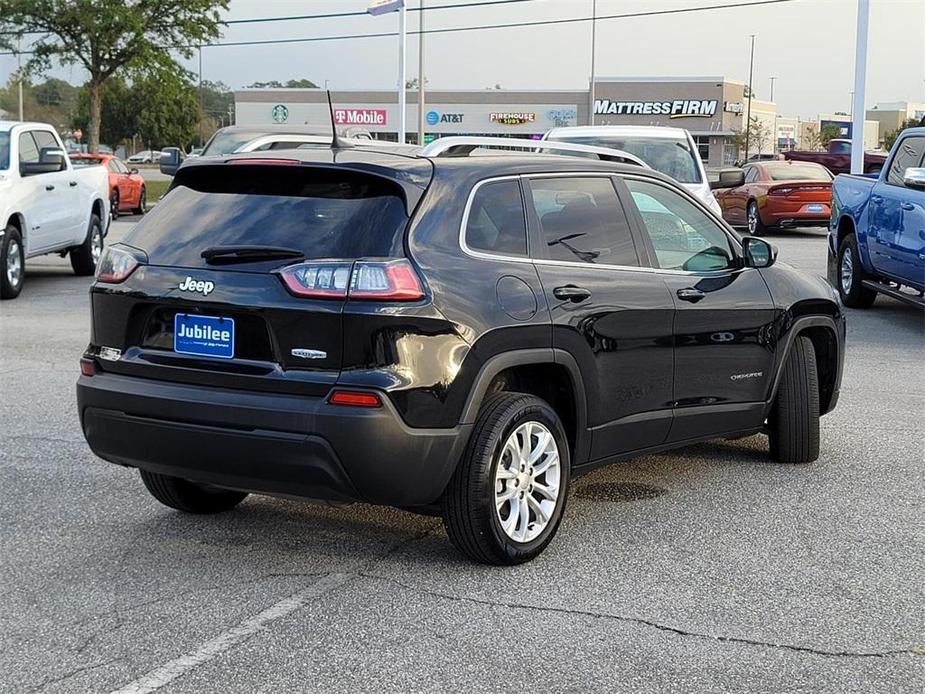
774, 142
19, 74
748, 111
593, 51
421, 76
377, 7
860, 81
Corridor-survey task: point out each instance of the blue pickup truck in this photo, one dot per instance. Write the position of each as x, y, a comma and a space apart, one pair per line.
877, 230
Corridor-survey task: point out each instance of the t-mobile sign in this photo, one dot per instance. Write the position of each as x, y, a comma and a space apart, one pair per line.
360, 116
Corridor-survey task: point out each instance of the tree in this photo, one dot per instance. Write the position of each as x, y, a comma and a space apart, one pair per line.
167, 110
118, 111
290, 84
757, 136
52, 101
413, 83
811, 139
891, 137
827, 134
108, 37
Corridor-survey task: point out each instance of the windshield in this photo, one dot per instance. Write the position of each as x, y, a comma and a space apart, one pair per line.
669, 155
4, 151
797, 172
228, 142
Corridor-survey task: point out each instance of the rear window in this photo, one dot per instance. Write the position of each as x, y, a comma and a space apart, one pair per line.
797, 172
325, 213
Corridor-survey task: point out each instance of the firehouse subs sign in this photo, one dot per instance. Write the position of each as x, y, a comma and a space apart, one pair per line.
679, 108
512, 118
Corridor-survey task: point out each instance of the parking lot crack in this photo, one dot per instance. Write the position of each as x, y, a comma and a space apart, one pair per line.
644, 622
58, 679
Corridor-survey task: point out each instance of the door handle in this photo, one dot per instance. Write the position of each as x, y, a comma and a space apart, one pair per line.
73, 184
907, 206
876, 199
571, 293
690, 294
49, 187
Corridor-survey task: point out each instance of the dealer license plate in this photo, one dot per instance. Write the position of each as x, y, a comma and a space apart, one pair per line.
203, 336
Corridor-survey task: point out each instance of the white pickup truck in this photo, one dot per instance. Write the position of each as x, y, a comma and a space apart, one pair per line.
46, 205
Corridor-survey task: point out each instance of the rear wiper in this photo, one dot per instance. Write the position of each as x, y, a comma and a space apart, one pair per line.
226, 255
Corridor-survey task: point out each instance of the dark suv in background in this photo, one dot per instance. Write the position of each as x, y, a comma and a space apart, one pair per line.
441, 331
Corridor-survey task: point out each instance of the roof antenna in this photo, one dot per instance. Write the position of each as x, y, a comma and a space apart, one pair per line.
336, 141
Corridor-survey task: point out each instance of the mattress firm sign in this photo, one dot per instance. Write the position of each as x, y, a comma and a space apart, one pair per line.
678, 108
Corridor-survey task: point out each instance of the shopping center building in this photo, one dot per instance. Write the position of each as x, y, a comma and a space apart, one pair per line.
711, 108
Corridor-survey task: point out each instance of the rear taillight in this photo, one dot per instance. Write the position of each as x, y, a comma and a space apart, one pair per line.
780, 191
87, 367
388, 280
116, 265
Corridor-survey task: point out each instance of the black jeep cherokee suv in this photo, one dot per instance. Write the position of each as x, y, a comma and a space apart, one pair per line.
461, 333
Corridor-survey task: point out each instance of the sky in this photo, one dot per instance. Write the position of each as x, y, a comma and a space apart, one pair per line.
807, 45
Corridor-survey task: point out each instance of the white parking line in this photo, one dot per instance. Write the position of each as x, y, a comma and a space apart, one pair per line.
160, 676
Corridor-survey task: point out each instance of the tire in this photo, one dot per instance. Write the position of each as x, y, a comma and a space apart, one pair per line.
753, 220
794, 422
189, 497
142, 202
12, 263
86, 256
114, 204
850, 276
472, 520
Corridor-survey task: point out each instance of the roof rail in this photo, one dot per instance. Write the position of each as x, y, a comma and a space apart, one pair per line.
463, 146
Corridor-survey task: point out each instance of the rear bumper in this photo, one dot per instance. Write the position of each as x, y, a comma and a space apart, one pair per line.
267, 443
795, 215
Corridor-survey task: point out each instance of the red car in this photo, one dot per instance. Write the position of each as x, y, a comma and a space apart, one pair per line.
126, 186
778, 194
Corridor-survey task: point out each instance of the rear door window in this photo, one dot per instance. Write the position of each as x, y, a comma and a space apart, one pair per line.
582, 220
325, 213
495, 223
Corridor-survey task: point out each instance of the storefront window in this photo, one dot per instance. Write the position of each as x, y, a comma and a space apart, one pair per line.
703, 147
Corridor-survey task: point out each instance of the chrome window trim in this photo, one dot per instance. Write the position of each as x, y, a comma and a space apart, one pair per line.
482, 255
737, 245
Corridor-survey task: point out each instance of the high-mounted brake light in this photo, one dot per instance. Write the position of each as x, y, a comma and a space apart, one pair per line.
363, 280
354, 398
116, 265
265, 161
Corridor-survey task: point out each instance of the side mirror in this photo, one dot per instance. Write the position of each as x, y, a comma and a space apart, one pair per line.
729, 178
758, 252
914, 177
133, 171
170, 161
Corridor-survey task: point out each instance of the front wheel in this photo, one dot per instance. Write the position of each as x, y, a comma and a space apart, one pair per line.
851, 276
505, 500
793, 425
190, 497
86, 256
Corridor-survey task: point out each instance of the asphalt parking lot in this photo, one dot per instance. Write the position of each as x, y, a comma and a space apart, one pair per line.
706, 569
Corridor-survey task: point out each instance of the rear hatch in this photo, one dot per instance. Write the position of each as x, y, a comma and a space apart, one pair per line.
244, 268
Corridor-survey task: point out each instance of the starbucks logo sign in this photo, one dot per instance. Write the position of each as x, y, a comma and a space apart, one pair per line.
279, 114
